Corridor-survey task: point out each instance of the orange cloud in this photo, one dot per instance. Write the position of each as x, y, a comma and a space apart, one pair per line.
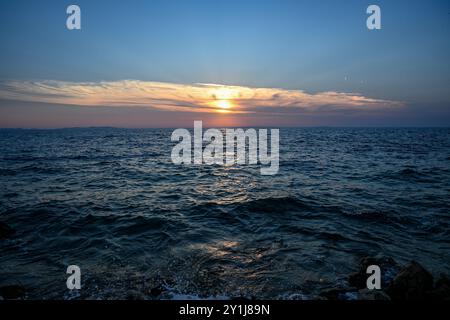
184, 97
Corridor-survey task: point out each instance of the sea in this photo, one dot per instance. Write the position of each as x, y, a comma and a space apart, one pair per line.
138, 226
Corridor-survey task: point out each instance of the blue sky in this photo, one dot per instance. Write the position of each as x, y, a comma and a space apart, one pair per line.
311, 46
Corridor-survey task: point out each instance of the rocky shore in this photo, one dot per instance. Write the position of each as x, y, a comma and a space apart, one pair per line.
409, 282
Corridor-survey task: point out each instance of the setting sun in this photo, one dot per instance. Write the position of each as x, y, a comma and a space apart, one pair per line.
223, 104
223, 99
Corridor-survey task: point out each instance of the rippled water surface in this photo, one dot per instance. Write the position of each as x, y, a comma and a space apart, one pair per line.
111, 201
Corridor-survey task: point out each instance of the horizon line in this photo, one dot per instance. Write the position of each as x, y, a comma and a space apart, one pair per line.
225, 127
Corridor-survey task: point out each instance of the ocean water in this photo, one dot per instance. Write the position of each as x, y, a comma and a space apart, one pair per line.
111, 201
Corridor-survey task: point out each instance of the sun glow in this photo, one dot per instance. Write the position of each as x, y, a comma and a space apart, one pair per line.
223, 104
223, 99
225, 93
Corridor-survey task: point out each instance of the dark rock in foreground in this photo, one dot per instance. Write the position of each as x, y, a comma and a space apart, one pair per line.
441, 290
156, 291
339, 294
412, 283
135, 295
366, 294
6, 231
12, 292
388, 268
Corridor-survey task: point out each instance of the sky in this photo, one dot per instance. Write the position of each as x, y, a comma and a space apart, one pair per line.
229, 63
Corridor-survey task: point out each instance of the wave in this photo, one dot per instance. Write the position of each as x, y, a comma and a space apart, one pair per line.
274, 205
7, 172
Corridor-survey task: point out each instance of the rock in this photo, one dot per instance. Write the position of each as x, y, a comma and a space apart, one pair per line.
240, 298
12, 292
388, 268
358, 279
366, 294
135, 295
339, 294
5, 231
156, 291
412, 283
441, 290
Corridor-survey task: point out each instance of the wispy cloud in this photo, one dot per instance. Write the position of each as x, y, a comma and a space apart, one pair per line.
183, 97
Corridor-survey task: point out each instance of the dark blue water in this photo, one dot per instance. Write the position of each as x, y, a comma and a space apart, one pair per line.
111, 201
